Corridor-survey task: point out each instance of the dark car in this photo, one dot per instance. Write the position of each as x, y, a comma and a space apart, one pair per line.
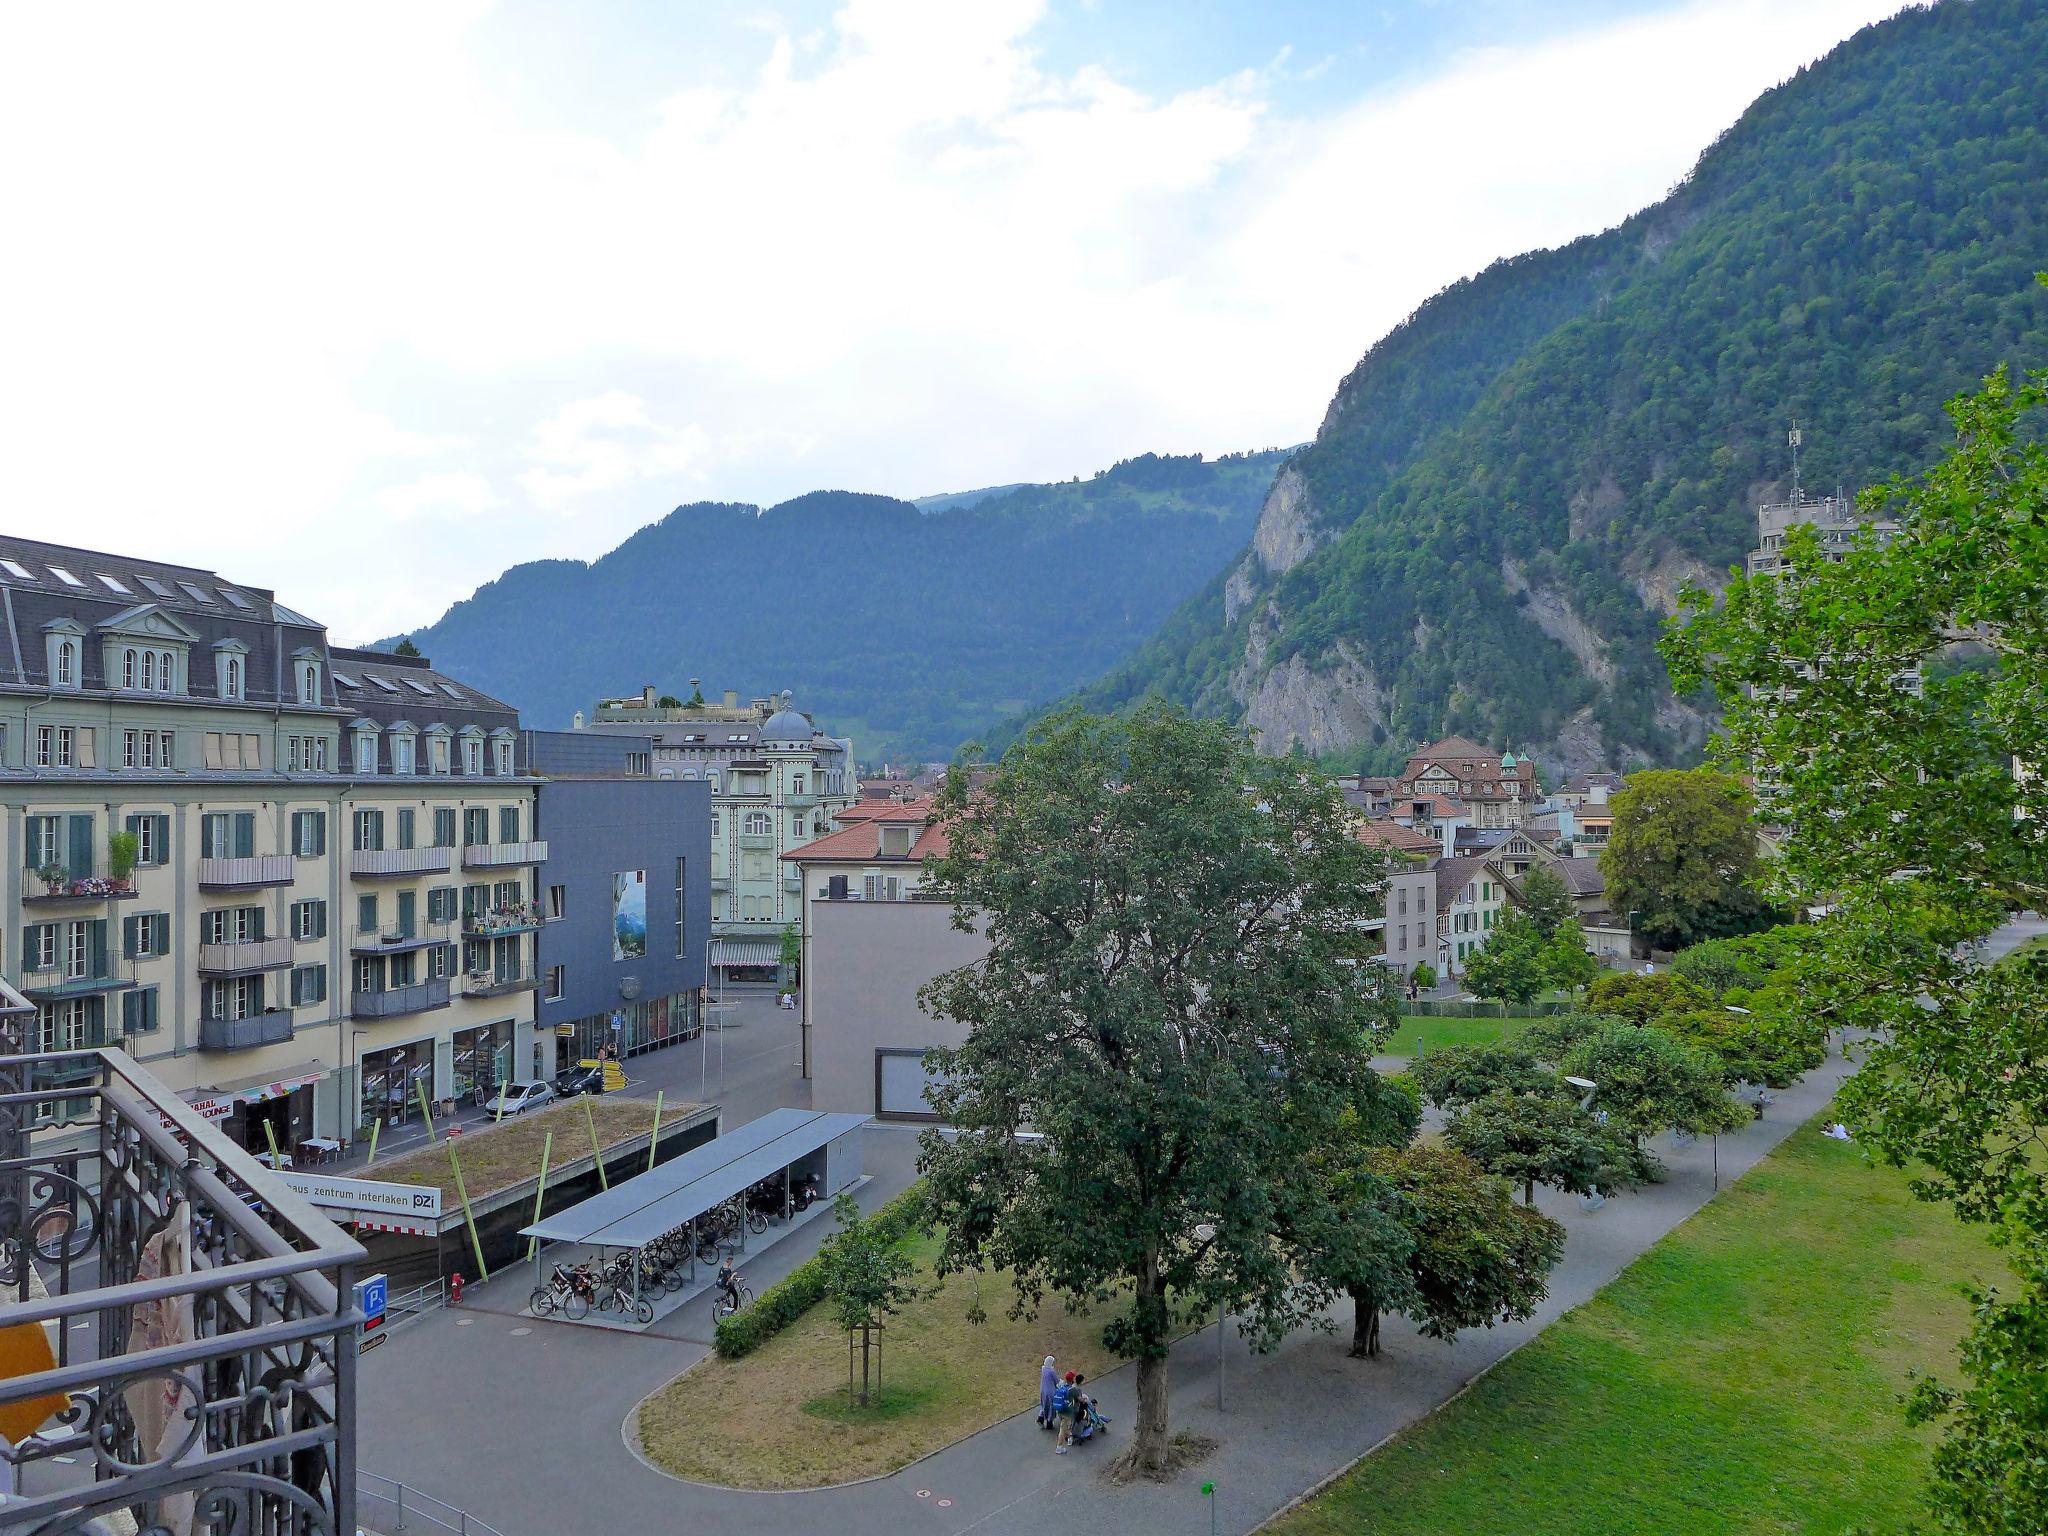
579, 1080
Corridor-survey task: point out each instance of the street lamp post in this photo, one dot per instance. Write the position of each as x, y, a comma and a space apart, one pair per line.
1205, 1232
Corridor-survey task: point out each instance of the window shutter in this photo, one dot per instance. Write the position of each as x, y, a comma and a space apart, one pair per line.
245, 834
206, 838
163, 839
97, 931
319, 919
131, 932
81, 846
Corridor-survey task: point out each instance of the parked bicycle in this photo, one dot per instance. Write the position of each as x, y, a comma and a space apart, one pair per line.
568, 1291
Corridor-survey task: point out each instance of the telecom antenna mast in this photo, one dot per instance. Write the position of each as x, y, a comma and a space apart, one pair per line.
1793, 439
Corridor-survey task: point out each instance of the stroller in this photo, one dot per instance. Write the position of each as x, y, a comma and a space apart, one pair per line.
1089, 1420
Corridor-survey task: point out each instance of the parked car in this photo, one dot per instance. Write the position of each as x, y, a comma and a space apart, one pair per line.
514, 1097
579, 1080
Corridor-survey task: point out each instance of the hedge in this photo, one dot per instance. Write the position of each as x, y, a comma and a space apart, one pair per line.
1460, 1008
804, 1287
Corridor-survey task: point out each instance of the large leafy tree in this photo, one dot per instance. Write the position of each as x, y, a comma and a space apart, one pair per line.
1455, 1075
1510, 967
1542, 1138
1476, 1257
1175, 997
1547, 900
1647, 1082
1916, 816
1566, 962
1682, 856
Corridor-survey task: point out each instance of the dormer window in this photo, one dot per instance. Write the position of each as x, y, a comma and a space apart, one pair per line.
128, 662
501, 754
309, 682
230, 669
365, 733
67, 664
403, 754
473, 758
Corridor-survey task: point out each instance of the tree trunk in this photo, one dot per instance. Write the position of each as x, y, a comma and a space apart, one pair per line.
1148, 1456
1529, 1192
1365, 1325
864, 1338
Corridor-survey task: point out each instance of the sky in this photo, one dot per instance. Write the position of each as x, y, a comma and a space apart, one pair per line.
366, 303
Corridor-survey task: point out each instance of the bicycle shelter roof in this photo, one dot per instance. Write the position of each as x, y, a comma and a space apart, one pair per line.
635, 1213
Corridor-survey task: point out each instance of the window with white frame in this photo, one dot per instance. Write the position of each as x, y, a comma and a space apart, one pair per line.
757, 824
67, 664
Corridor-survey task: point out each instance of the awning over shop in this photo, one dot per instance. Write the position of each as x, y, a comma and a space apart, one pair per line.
218, 1101
730, 952
638, 1211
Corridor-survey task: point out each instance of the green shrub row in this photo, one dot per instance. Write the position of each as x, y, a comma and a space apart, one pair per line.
1458, 1008
804, 1287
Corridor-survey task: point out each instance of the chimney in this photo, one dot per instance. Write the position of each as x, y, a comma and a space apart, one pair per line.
732, 698
647, 695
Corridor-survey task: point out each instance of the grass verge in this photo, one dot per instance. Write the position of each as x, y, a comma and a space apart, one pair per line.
499, 1156
783, 1418
1417, 1032
1743, 1376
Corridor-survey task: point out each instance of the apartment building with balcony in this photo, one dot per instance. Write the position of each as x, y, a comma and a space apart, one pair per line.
216, 853
777, 783
626, 895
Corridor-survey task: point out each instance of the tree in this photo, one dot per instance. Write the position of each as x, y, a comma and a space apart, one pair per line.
1170, 996
1510, 965
1647, 1082
1455, 1075
1477, 1258
1551, 1039
1423, 978
668, 701
1904, 815
1541, 1138
1682, 855
405, 647
1565, 961
1639, 999
792, 955
1748, 1047
1548, 901
866, 1275
1719, 965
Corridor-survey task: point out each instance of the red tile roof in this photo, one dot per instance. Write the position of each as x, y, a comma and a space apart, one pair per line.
1391, 834
860, 843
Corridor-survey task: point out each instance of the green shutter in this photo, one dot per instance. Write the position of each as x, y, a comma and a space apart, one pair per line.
97, 945
319, 919
163, 839
206, 838
245, 834
80, 863
131, 930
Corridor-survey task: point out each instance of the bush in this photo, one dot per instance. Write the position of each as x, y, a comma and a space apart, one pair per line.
804, 1287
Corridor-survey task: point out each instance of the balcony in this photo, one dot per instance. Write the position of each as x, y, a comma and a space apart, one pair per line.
792, 882
245, 874
399, 938
240, 957
267, 1304
505, 855
757, 840
799, 800
490, 984
61, 885
721, 882
55, 983
502, 922
396, 1002
397, 863
271, 1027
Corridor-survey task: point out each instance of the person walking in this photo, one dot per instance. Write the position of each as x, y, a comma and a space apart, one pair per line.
1063, 1397
1048, 1379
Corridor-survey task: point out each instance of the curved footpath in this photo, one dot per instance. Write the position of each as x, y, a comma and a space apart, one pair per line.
525, 1428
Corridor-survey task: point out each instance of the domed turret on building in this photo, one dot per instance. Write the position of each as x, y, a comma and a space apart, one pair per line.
785, 724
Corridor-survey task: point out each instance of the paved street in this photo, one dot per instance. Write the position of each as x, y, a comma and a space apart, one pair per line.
459, 1404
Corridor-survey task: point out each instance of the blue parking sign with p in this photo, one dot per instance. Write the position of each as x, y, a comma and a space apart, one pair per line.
371, 1294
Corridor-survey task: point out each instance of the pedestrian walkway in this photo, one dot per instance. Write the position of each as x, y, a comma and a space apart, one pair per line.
1287, 1420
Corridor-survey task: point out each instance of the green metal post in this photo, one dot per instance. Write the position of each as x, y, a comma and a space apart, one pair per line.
546, 1148
376, 1130
589, 1119
462, 1190
654, 1140
420, 1084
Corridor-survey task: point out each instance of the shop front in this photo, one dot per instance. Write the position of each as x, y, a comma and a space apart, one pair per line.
255, 1115
482, 1060
392, 1080
630, 1028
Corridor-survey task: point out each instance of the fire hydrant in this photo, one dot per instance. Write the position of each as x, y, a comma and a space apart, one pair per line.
455, 1289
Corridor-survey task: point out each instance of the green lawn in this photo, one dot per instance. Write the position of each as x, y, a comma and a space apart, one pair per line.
1743, 1376
1416, 1032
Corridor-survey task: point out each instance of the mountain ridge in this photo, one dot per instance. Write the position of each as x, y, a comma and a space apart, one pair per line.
1507, 490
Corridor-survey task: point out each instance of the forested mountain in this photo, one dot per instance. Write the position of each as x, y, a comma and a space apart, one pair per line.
1505, 493
909, 629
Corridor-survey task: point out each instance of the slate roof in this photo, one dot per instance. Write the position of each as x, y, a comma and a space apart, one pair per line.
1451, 876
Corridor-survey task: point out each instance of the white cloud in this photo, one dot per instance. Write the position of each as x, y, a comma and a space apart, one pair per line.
319, 286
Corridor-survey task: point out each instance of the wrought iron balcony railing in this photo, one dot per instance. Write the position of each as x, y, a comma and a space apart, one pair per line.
200, 1367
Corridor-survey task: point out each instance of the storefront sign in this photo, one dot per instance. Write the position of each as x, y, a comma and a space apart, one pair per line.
337, 1194
219, 1105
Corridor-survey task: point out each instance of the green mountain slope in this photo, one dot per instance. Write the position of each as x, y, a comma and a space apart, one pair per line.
1490, 524
911, 630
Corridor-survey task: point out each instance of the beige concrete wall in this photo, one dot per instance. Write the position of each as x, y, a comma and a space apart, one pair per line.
867, 960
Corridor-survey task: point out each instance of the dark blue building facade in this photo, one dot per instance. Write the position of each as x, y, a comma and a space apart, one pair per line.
626, 892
